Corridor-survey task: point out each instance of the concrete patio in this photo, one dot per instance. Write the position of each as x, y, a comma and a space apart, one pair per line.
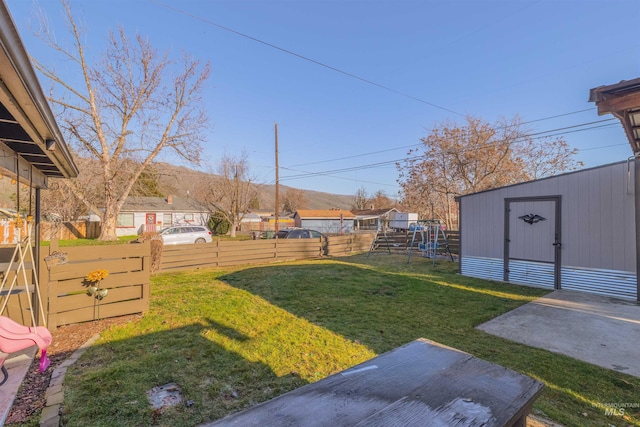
596, 329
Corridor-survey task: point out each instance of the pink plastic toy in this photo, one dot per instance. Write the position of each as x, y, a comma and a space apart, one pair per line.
15, 337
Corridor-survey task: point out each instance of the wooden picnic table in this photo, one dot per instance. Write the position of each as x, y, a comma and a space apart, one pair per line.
422, 383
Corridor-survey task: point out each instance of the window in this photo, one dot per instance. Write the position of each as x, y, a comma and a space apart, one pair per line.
125, 220
167, 219
188, 217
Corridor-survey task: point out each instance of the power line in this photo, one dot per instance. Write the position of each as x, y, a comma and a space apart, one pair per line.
381, 86
355, 156
419, 144
395, 161
306, 58
574, 126
559, 115
601, 147
338, 70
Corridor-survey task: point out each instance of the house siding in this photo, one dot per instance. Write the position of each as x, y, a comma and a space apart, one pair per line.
328, 226
180, 210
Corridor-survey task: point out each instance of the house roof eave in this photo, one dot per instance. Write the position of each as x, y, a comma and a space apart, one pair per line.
22, 97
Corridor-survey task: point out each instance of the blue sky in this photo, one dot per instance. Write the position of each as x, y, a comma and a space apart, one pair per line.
435, 61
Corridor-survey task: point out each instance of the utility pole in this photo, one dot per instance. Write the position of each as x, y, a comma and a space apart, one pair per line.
277, 181
236, 196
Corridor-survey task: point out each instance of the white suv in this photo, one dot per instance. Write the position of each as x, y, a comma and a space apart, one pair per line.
185, 234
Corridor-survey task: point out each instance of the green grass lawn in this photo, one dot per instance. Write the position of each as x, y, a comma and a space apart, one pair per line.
233, 338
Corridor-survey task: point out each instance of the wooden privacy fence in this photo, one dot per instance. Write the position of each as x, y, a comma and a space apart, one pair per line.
346, 245
64, 289
224, 253
401, 240
69, 230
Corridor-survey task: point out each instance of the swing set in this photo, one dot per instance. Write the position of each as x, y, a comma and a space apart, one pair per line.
15, 337
431, 238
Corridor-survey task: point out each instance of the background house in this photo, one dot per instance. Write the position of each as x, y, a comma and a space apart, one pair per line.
250, 222
372, 219
328, 221
140, 214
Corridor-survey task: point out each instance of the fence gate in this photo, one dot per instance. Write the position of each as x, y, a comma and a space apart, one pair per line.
532, 241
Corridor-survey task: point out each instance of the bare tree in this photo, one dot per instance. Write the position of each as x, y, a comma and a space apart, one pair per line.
548, 157
231, 193
59, 202
293, 199
380, 200
128, 107
360, 200
456, 160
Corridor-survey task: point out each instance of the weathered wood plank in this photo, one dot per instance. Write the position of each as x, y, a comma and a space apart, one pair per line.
67, 271
90, 253
75, 284
229, 253
421, 383
82, 299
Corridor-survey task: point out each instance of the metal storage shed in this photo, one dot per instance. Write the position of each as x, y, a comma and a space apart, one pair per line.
572, 231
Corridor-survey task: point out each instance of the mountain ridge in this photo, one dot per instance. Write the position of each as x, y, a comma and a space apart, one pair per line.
171, 181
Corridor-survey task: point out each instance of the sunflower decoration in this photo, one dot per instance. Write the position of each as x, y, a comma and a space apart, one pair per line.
92, 282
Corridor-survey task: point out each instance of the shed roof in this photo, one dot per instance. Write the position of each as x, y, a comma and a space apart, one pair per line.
373, 212
161, 204
27, 125
545, 178
324, 214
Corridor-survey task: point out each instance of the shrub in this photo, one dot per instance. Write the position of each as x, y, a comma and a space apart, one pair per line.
218, 224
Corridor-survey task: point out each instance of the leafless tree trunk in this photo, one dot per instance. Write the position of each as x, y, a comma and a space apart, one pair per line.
129, 106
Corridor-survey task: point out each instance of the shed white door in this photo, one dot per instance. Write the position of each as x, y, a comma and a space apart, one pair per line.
531, 242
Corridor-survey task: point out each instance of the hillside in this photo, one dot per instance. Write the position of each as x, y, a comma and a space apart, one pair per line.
178, 181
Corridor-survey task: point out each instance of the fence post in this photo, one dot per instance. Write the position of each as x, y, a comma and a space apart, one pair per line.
146, 268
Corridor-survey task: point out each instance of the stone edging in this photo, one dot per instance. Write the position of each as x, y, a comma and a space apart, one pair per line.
50, 416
